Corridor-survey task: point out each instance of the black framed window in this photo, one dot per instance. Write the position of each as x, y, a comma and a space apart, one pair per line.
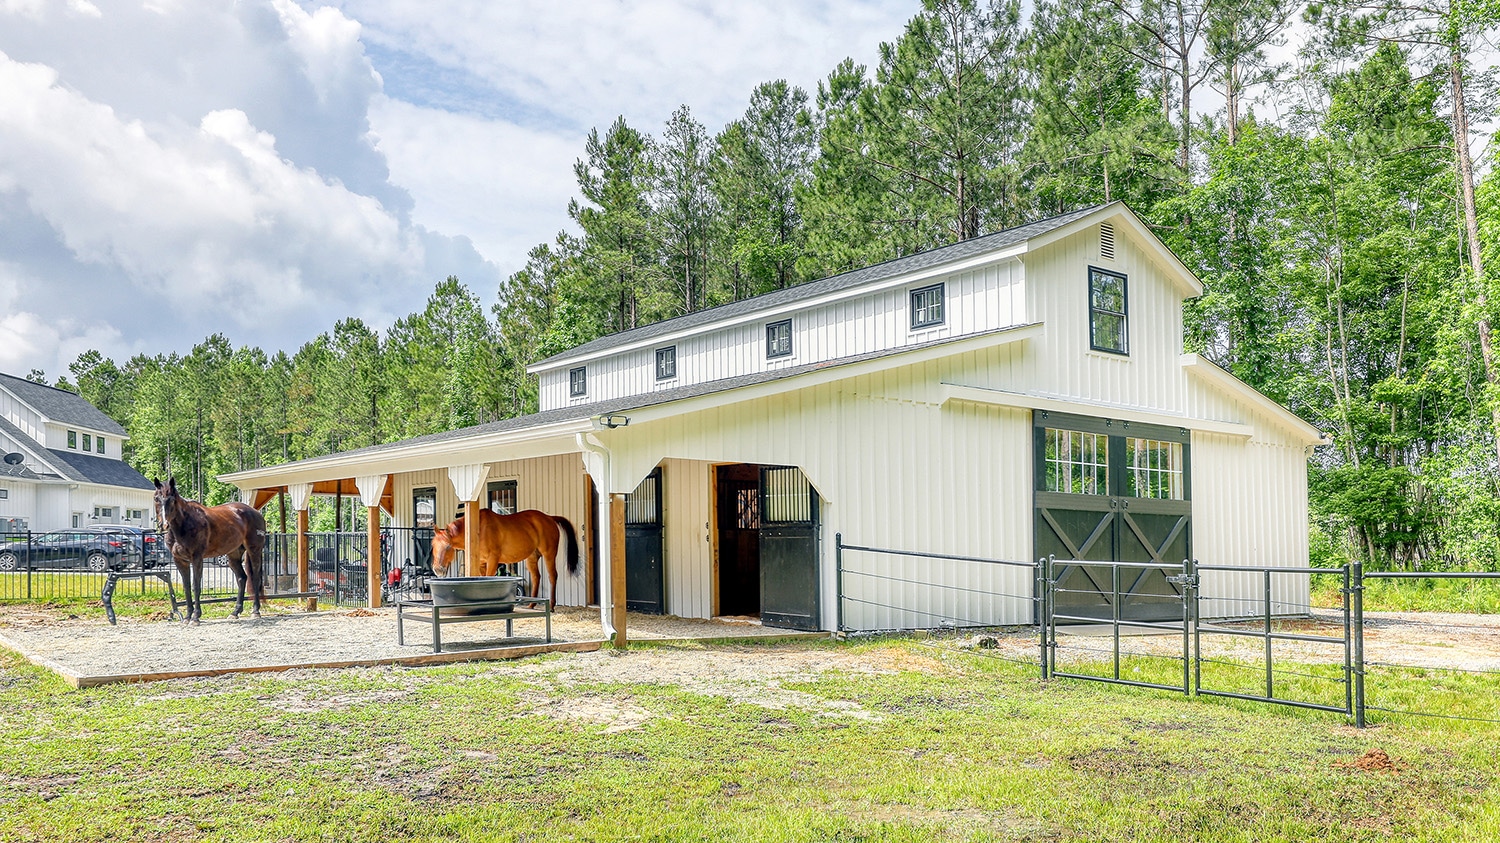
927, 307
88, 442
666, 363
99, 444
4, 494
73, 439
1108, 312
578, 381
779, 338
501, 496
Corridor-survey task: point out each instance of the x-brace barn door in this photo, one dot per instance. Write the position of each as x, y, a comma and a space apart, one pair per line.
1112, 491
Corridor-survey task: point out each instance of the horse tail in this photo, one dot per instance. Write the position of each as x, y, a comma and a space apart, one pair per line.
565, 527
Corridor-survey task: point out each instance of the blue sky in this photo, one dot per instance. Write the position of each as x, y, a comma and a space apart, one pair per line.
175, 168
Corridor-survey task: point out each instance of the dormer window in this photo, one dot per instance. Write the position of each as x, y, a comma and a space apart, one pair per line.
666, 363
578, 381
73, 439
99, 444
779, 339
927, 307
1107, 312
88, 442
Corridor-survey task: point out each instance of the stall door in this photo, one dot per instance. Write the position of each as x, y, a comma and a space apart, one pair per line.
1112, 491
788, 549
738, 513
645, 580
424, 521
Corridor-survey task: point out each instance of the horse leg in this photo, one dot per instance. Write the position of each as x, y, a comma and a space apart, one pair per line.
196, 612
552, 579
236, 564
536, 577
255, 569
185, 571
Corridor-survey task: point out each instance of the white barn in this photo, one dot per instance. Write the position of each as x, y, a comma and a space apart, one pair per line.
1013, 396
63, 465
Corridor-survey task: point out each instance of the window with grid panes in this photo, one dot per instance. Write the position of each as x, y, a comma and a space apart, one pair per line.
666, 363
779, 338
1108, 330
927, 307
1077, 462
578, 381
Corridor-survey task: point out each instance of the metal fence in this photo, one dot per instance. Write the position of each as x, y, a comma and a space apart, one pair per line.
1245, 632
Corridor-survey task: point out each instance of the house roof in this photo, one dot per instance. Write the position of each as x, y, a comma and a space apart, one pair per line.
19, 472
814, 289
101, 470
59, 405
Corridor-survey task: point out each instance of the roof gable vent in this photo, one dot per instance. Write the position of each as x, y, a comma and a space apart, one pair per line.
1106, 241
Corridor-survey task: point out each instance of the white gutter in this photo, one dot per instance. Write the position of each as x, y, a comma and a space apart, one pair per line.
606, 576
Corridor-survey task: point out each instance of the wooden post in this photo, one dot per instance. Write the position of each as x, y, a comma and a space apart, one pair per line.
302, 583
617, 565
470, 565
372, 560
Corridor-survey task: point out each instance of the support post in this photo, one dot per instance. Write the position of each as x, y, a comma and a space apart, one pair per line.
302, 579
372, 562
617, 565
838, 567
471, 559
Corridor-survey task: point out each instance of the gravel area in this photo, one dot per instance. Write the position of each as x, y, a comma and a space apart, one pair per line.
138, 646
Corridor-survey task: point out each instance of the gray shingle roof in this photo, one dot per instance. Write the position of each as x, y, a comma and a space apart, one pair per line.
17, 471
101, 470
625, 404
812, 289
60, 405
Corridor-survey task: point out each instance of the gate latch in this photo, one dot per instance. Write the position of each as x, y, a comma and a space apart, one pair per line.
1188, 580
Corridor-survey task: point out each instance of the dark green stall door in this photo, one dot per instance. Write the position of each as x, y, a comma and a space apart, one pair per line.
645, 576
788, 549
1112, 491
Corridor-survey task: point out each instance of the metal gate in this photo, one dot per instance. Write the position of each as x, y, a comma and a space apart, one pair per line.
1171, 654
788, 549
645, 580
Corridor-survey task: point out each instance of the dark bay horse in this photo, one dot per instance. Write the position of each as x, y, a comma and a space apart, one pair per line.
506, 539
235, 530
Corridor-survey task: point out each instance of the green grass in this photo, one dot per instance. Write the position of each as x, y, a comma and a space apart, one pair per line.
948, 746
1416, 595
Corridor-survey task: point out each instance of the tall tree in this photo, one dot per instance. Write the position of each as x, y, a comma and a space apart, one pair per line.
618, 257
760, 161
1096, 133
683, 210
936, 133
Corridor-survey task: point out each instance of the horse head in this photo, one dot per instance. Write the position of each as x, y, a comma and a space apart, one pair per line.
167, 501
443, 540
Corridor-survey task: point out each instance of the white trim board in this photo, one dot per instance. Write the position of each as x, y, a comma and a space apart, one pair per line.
1026, 401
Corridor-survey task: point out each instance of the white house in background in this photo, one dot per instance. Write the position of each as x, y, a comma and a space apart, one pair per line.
62, 464
1014, 396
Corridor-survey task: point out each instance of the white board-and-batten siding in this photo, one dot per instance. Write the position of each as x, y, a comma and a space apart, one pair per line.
555, 485
975, 301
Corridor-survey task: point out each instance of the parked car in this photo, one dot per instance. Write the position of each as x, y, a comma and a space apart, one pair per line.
94, 548
150, 548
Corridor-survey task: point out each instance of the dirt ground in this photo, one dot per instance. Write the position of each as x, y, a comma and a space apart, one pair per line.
85, 648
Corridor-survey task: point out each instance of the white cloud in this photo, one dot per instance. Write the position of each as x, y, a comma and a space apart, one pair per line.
495, 181
212, 219
32, 340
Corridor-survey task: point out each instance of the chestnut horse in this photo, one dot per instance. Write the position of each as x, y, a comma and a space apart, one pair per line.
193, 531
506, 539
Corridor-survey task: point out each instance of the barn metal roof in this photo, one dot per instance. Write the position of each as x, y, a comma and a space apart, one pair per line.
59, 405
836, 283
582, 412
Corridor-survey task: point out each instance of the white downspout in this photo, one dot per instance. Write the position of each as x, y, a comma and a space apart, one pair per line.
601, 516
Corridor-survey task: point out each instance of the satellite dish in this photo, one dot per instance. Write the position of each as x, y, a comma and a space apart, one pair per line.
14, 459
